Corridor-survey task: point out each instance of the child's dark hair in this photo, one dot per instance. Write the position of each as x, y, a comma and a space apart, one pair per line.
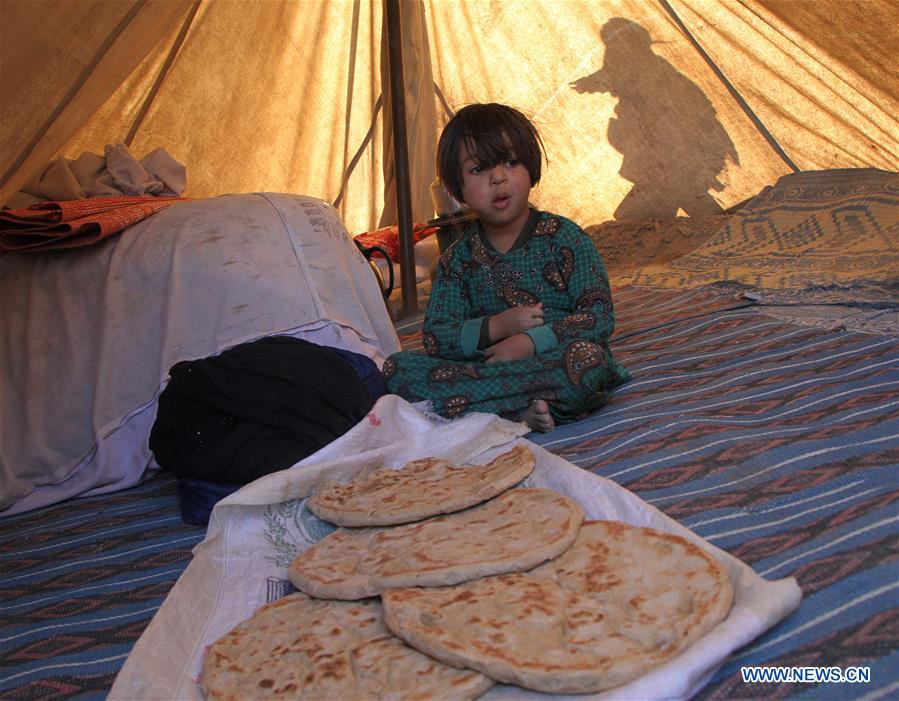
492, 133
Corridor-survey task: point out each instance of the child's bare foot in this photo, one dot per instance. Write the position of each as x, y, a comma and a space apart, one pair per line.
537, 416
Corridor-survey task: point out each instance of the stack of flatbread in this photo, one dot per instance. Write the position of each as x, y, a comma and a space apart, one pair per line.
443, 580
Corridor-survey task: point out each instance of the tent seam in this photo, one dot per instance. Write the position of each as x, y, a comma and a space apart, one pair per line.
157, 84
753, 117
73, 91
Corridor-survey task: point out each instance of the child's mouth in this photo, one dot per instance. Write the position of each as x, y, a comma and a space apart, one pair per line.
500, 201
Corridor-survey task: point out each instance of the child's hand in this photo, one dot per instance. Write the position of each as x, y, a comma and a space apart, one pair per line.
515, 320
513, 348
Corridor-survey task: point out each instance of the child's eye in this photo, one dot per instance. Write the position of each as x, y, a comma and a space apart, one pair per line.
477, 169
512, 161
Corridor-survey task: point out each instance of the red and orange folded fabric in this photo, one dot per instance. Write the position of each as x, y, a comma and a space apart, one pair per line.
59, 225
388, 238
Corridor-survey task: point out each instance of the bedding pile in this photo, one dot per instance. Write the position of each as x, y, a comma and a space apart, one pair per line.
626, 245
194, 279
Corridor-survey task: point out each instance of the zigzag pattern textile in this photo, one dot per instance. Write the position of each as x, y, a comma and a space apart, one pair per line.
777, 442
808, 230
80, 581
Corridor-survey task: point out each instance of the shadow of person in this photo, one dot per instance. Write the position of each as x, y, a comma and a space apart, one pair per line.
673, 145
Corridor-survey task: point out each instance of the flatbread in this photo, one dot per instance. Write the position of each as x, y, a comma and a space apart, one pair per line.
419, 489
515, 531
618, 603
302, 648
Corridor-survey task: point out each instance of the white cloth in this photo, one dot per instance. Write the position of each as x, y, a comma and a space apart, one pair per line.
117, 172
254, 532
87, 337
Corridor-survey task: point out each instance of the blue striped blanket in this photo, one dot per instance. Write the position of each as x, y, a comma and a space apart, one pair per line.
779, 444
776, 442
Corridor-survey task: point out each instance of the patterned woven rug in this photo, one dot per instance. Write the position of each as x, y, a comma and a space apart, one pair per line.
809, 229
780, 444
79, 582
776, 442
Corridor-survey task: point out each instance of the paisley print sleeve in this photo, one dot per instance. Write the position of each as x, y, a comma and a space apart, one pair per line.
449, 332
593, 315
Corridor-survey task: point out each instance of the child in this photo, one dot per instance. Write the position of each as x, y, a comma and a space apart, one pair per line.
520, 312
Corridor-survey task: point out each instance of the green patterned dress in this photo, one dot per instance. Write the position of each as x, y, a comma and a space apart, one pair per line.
554, 262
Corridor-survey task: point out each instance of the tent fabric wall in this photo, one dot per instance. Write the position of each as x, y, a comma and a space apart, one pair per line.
828, 107
636, 123
58, 65
262, 96
286, 95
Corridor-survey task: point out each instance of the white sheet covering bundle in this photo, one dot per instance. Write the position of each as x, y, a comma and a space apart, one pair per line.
87, 337
253, 534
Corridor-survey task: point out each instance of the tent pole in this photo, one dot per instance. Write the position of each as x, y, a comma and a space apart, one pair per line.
401, 156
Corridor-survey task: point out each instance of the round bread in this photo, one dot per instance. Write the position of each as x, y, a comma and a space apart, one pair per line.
515, 531
419, 489
618, 603
302, 648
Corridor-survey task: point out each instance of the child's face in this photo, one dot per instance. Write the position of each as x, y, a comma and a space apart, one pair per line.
497, 194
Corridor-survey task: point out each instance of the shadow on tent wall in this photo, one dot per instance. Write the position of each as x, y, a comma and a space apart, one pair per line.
673, 144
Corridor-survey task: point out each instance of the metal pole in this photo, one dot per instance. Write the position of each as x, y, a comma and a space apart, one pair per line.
401, 156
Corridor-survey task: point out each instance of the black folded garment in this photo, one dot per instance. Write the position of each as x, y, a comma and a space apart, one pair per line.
257, 408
